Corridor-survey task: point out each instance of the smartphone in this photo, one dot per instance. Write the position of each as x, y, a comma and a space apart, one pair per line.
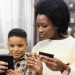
8, 59
46, 54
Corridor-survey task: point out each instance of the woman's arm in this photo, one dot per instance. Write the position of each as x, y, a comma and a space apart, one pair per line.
55, 64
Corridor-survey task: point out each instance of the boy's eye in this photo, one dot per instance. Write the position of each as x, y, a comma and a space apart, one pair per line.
11, 45
20, 45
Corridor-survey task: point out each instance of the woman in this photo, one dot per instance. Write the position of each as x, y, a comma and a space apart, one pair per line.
52, 20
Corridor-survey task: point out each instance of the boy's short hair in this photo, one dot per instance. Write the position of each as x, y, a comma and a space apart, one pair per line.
18, 33
56, 11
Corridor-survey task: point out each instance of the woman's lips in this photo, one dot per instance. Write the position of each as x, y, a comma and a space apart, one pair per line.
42, 35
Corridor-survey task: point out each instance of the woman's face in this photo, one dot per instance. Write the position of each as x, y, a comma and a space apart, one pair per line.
45, 27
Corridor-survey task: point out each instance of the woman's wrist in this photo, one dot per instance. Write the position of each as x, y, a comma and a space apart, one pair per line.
66, 68
39, 72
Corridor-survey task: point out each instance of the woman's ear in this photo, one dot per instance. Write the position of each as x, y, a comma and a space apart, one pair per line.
56, 27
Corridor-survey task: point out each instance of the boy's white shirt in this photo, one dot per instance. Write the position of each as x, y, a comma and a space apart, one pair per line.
64, 50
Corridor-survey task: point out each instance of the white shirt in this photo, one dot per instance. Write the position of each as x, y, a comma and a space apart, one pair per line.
63, 49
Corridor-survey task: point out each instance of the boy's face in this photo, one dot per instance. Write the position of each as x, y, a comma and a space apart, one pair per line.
17, 46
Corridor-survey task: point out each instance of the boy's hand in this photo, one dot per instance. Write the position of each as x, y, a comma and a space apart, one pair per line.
31, 55
35, 64
13, 72
3, 66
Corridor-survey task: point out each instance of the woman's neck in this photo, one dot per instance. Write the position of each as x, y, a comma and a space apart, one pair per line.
58, 37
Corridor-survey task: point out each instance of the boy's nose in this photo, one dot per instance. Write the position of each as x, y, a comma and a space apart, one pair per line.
15, 48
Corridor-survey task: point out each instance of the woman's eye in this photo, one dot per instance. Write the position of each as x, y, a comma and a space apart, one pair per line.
45, 26
38, 26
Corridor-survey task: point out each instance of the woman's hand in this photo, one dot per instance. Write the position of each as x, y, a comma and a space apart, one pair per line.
3, 66
35, 64
53, 63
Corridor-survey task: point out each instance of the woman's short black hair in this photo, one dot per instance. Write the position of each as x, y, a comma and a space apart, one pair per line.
56, 11
18, 33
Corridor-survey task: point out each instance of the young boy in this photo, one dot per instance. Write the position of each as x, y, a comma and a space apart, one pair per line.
17, 45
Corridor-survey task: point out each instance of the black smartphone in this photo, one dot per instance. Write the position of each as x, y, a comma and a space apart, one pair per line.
46, 54
8, 59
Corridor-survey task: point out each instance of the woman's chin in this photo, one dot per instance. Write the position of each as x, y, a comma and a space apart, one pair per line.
42, 38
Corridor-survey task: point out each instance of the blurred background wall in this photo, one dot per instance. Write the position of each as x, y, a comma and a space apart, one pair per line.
71, 6
20, 14
16, 14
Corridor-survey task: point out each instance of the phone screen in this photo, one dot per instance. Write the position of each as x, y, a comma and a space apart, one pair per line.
9, 59
46, 54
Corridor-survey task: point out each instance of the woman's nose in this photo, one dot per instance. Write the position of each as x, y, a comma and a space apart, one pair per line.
40, 29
